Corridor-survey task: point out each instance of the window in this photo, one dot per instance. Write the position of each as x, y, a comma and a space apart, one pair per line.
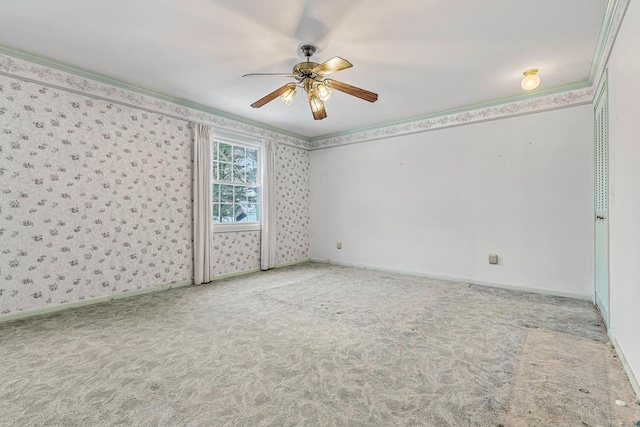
236, 185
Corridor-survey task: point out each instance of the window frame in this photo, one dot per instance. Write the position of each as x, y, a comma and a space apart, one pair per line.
246, 143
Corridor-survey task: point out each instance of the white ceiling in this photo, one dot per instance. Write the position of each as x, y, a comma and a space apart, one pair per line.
420, 56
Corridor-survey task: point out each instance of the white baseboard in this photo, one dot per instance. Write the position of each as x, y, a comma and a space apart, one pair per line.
510, 286
627, 369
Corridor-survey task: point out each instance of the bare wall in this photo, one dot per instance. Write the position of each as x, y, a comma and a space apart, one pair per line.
437, 203
624, 165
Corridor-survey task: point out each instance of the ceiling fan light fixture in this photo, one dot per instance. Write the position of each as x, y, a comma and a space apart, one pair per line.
530, 81
310, 77
323, 92
315, 103
289, 95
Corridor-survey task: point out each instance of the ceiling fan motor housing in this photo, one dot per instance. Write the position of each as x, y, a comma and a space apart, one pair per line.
304, 69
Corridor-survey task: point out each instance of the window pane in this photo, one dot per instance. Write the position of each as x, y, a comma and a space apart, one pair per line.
240, 194
252, 174
216, 213
252, 165
216, 193
253, 212
239, 173
252, 157
224, 171
241, 215
226, 194
239, 155
226, 213
252, 195
216, 166
239, 165
224, 152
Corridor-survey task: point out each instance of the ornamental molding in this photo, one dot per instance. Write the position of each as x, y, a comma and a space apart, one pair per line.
41, 74
610, 38
535, 105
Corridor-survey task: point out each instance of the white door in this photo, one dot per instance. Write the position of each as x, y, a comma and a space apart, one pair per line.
601, 215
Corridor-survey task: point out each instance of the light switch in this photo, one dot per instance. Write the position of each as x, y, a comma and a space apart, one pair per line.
493, 258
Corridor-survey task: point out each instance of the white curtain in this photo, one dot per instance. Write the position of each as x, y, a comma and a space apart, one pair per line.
268, 240
202, 189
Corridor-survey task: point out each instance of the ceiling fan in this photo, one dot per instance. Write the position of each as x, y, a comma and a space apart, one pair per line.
311, 77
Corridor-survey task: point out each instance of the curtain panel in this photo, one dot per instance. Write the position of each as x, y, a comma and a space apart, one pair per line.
202, 208
268, 229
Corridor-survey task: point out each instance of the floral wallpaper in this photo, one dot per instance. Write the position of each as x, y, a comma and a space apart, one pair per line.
95, 197
543, 103
292, 209
236, 251
24, 69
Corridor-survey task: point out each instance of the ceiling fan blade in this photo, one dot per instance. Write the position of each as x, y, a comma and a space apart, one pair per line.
331, 66
273, 95
268, 74
352, 90
320, 114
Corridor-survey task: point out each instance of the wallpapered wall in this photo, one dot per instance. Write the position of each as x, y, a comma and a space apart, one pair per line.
236, 251
95, 199
292, 194
241, 251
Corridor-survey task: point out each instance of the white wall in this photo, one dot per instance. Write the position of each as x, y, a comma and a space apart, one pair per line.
624, 136
437, 203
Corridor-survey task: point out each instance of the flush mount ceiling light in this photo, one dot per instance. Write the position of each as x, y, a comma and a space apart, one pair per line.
530, 81
310, 76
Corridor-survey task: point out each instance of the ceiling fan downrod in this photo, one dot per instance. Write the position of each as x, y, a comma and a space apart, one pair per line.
308, 51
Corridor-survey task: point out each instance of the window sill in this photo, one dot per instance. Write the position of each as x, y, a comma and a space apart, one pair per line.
232, 228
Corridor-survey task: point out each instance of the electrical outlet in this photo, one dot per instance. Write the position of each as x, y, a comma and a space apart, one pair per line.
493, 258
339, 245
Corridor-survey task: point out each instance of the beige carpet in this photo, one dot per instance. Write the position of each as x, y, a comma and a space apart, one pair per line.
561, 378
315, 345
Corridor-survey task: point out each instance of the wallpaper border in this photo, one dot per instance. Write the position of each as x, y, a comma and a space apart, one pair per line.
535, 105
614, 16
23, 69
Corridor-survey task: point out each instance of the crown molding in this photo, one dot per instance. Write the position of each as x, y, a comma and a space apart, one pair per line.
611, 23
29, 67
440, 121
538, 101
20, 65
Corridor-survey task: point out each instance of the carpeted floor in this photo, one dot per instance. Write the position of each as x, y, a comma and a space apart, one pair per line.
316, 345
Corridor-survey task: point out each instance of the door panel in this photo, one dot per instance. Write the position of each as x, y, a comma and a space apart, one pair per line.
601, 205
